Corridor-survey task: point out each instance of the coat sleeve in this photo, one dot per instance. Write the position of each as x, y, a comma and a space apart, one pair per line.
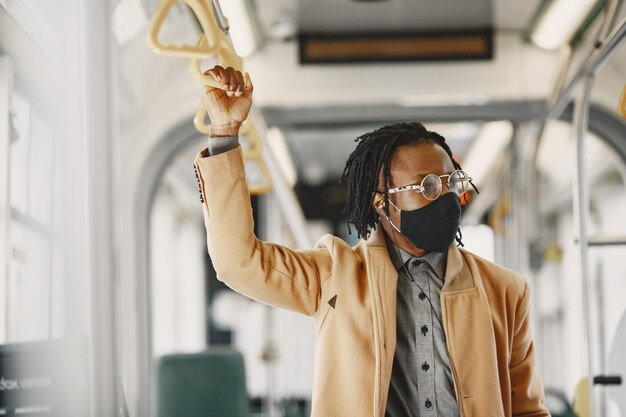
269, 273
526, 388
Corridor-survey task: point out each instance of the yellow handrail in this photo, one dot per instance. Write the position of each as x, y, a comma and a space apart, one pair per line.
252, 142
213, 41
252, 163
227, 57
198, 119
206, 17
621, 107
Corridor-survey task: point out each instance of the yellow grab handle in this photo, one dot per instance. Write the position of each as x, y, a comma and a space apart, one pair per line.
257, 175
621, 107
250, 138
227, 57
211, 42
205, 15
198, 119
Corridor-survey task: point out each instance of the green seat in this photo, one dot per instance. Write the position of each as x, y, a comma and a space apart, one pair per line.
206, 384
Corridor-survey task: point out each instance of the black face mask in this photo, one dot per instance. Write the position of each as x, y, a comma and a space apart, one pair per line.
432, 227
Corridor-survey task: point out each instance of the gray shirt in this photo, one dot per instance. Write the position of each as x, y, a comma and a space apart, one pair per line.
421, 378
222, 144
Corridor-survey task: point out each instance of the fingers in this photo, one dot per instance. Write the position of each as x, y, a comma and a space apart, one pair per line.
232, 81
240, 84
217, 72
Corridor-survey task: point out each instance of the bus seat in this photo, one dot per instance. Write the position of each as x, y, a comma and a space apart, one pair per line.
207, 384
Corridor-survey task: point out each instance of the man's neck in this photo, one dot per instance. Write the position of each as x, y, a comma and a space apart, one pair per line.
403, 243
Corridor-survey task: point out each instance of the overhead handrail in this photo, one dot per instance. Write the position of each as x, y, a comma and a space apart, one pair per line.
205, 15
227, 57
213, 41
621, 106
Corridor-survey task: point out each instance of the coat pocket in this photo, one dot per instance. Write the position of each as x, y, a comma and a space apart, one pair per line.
324, 318
331, 306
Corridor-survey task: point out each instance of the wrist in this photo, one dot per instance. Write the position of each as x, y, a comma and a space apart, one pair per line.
225, 130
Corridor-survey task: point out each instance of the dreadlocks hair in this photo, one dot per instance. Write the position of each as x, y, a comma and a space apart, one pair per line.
363, 167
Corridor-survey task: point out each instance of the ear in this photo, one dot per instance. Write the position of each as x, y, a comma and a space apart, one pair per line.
379, 204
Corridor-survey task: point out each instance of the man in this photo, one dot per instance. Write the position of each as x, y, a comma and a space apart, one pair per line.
407, 323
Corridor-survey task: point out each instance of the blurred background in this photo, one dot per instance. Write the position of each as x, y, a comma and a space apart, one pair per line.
106, 287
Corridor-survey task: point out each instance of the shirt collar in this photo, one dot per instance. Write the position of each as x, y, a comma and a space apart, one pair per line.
400, 257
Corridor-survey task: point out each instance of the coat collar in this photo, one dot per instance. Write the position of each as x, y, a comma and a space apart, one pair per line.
376, 238
458, 276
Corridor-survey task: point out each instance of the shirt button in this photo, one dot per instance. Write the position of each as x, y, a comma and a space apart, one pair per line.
428, 404
422, 296
424, 330
425, 366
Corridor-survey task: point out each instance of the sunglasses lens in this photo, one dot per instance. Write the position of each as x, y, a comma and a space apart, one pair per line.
432, 186
459, 182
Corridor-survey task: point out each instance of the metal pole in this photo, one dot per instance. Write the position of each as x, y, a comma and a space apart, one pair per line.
596, 60
581, 214
611, 9
295, 219
221, 20
592, 65
607, 48
291, 209
286, 196
567, 54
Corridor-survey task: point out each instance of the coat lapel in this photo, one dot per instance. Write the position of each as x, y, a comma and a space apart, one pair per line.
470, 338
383, 280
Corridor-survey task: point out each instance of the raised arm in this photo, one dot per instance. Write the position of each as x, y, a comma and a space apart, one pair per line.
266, 272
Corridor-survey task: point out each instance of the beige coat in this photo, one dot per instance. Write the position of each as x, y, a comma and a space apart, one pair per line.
350, 292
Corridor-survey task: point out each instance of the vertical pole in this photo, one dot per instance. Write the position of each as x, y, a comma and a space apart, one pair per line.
221, 21
99, 135
290, 207
518, 238
269, 351
286, 196
532, 217
270, 230
581, 215
6, 86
